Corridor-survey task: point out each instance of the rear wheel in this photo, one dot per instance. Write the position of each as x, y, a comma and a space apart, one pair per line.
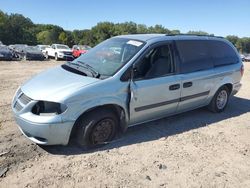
220, 100
96, 128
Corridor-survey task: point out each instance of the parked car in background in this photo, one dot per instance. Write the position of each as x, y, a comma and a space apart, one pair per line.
5, 53
29, 53
79, 50
242, 56
59, 51
247, 57
97, 95
17, 46
42, 48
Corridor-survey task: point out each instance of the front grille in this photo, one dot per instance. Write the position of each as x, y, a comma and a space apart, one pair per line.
68, 53
21, 101
17, 106
24, 99
18, 92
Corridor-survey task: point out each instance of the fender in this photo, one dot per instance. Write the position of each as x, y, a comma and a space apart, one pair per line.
85, 106
223, 81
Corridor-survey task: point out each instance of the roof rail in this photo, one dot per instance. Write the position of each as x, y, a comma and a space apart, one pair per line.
200, 35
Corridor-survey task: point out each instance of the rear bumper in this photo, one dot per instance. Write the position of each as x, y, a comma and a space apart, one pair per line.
35, 58
236, 88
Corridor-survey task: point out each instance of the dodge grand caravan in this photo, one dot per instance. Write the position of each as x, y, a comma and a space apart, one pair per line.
124, 81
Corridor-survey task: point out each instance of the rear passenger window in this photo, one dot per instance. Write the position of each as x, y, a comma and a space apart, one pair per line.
194, 55
222, 53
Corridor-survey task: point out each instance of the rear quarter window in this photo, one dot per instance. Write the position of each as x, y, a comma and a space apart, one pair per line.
194, 55
222, 53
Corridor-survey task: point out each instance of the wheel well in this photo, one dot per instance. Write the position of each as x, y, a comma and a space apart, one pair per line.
118, 110
229, 87
113, 107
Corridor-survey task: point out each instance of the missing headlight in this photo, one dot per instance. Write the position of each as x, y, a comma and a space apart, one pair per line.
45, 108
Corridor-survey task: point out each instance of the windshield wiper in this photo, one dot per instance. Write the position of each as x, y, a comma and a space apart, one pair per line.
86, 66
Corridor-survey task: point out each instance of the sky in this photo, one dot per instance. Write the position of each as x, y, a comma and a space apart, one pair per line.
219, 17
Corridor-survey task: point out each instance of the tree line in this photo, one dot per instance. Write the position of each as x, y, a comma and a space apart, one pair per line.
17, 29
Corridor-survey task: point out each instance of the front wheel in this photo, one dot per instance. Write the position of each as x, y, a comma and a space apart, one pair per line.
46, 55
56, 57
220, 100
96, 128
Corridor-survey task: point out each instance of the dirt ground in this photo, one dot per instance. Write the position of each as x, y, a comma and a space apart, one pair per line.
193, 149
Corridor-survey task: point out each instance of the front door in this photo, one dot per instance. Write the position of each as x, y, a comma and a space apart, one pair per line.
155, 89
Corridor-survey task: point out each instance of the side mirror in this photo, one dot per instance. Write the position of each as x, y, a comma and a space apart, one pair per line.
134, 72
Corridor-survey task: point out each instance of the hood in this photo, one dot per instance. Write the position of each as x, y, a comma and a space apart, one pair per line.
55, 84
64, 50
5, 51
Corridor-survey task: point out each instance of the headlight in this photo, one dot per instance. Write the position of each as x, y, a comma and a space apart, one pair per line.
45, 108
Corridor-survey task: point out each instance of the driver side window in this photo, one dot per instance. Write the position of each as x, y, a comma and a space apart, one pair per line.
157, 62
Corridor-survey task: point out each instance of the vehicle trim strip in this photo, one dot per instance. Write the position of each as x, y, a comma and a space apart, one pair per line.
146, 107
194, 96
141, 108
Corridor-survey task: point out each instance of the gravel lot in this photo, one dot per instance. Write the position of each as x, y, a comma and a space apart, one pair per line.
193, 149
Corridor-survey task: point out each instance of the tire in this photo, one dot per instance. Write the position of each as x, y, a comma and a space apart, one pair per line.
56, 57
46, 55
96, 128
220, 100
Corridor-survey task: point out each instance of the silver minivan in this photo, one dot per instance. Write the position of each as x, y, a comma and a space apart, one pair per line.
124, 81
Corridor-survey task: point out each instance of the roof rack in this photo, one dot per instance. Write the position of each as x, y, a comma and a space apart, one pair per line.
200, 35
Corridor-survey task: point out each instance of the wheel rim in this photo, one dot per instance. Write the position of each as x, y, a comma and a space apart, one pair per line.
221, 100
103, 131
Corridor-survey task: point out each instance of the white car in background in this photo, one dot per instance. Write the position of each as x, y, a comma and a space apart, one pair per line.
42, 48
247, 57
59, 51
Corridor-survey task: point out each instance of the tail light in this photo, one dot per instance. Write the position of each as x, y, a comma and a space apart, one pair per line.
242, 70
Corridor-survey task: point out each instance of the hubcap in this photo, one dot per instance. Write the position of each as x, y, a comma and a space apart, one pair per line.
221, 100
103, 131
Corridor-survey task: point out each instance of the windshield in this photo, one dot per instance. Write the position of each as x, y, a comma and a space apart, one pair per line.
80, 47
62, 47
32, 49
109, 56
43, 47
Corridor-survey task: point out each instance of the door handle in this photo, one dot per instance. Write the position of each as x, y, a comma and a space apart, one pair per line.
187, 84
174, 87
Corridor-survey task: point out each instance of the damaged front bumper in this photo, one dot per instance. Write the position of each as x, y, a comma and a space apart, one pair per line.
53, 133
44, 130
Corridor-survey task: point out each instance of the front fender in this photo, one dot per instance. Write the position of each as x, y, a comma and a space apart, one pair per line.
78, 108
